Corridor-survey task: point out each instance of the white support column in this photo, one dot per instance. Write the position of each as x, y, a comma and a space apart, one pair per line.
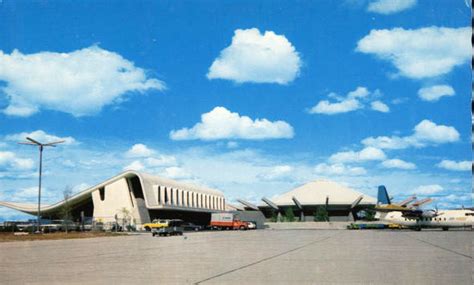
157, 193
162, 195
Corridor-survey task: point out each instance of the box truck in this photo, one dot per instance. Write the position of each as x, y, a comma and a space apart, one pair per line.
227, 221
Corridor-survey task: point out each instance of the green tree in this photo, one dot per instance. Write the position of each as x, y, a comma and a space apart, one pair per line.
321, 214
289, 215
126, 217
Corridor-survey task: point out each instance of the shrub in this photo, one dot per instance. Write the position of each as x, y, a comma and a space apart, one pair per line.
321, 215
289, 215
368, 215
273, 217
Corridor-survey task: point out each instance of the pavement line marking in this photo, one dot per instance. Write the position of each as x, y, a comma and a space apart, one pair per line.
263, 260
440, 247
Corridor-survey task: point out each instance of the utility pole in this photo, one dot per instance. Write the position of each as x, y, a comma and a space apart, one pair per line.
41, 147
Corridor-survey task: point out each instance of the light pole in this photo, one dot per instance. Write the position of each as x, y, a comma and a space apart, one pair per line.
41, 146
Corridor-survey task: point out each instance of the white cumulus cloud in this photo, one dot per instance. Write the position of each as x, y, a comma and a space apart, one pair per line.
30, 195
328, 108
256, 57
221, 123
434, 93
161, 160
147, 159
428, 189
387, 7
80, 82
385, 142
276, 172
455, 165
10, 161
338, 169
421, 53
379, 106
398, 164
40, 136
135, 165
353, 101
176, 172
139, 150
425, 133
366, 154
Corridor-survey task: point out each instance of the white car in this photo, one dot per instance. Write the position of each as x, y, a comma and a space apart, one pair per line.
252, 226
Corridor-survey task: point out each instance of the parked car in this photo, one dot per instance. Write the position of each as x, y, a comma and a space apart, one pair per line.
174, 227
155, 224
60, 225
26, 226
252, 226
192, 227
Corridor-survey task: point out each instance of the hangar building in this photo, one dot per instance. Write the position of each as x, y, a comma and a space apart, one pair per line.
340, 202
144, 196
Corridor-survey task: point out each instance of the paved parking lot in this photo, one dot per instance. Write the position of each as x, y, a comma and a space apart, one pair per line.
251, 257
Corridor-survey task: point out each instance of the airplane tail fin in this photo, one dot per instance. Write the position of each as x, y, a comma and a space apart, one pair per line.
382, 197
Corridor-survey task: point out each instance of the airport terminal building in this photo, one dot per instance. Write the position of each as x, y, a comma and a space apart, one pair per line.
144, 196
141, 197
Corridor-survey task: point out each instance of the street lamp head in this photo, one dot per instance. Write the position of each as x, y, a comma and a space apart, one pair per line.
33, 141
41, 145
53, 143
29, 143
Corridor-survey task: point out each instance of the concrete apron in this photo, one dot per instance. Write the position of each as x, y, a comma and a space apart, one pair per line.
308, 225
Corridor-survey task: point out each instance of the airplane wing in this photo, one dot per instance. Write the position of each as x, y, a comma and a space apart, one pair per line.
422, 202
391, 208
407, 201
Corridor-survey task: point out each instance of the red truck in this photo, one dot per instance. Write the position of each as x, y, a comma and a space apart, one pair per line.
227, 221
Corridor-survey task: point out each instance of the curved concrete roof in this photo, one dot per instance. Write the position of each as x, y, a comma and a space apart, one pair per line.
158, 180
146, 179
315, 193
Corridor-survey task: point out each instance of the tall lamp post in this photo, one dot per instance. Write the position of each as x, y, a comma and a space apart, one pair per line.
41, 146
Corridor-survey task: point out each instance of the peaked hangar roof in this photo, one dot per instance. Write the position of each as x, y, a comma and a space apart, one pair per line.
315, 193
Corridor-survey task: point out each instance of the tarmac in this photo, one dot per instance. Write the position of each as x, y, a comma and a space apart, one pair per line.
300, 256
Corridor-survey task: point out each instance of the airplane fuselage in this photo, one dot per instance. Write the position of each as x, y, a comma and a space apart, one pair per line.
443, 219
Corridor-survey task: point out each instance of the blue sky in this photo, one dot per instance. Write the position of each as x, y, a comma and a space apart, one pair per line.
250, 97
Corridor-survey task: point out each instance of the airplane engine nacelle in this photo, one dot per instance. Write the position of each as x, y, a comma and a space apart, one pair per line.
429, 214
413, 214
